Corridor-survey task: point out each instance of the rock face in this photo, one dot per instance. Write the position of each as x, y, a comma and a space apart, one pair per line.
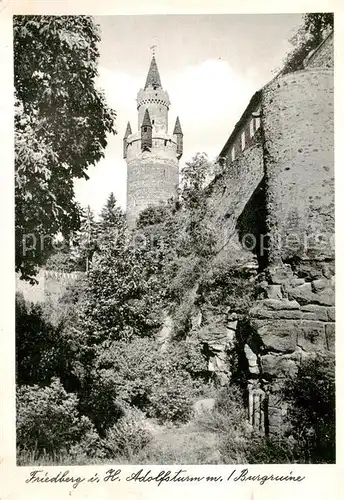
217, 335
299, 323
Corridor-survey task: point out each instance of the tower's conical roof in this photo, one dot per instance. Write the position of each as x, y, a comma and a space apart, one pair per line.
153, 77
128, 131
177, 127
146, 122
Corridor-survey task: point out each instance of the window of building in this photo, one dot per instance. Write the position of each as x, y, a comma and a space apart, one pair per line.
251, 128
145, 129
243, 141
152, 122
257, 122
165, 143
233, 153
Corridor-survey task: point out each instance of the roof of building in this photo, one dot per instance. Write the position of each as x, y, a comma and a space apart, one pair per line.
153, 77
177, 127
146, 122
252, 105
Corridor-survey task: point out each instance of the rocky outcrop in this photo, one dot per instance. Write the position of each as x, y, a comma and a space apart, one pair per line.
216, 332
293, 319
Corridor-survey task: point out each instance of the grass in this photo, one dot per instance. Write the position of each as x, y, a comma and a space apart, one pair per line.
200, 441
187, 444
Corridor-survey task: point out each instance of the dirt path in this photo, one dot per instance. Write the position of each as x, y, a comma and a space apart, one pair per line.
187, 444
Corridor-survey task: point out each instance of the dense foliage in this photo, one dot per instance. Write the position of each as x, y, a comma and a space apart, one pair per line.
312, 409
313, 30
48, 418
61, 123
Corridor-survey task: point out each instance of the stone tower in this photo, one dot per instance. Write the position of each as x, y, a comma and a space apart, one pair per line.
151, 152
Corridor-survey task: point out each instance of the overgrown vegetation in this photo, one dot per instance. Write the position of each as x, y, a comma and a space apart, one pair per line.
313, 30
94, 384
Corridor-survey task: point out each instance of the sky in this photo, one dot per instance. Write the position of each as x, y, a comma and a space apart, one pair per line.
210, 65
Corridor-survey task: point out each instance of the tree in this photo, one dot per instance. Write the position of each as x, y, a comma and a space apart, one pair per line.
123, 291
112, 224
85, 240
199, 235
313, 30
61, 123
194, 175
48, 344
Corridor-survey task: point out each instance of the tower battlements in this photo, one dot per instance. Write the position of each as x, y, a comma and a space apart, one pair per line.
151, 152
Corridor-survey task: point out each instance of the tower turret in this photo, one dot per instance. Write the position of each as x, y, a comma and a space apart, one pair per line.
146, 132
154, 98
151, 152
178, 132
125, 139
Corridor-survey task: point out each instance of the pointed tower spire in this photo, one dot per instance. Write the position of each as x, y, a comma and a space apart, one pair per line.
125, 139
127, 131
178, 132
177, 127
153, 77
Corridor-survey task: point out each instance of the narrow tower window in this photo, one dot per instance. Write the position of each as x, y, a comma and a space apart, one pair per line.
233, 153
257, 122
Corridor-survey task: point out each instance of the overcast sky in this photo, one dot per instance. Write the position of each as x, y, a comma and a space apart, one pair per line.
209, 64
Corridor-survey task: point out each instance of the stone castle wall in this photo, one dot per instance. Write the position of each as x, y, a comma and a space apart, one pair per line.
228, 196
50, 285
299, 160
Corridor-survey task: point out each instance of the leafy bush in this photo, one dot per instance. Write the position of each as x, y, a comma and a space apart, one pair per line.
233, 287
310, 421
153, 214
48, 419
39, 354
137, 374
90, 445
46, 349
128, 436
172, 400
273, 450
311, 414
187, 356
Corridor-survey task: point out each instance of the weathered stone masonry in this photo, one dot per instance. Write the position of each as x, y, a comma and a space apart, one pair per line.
280, 178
